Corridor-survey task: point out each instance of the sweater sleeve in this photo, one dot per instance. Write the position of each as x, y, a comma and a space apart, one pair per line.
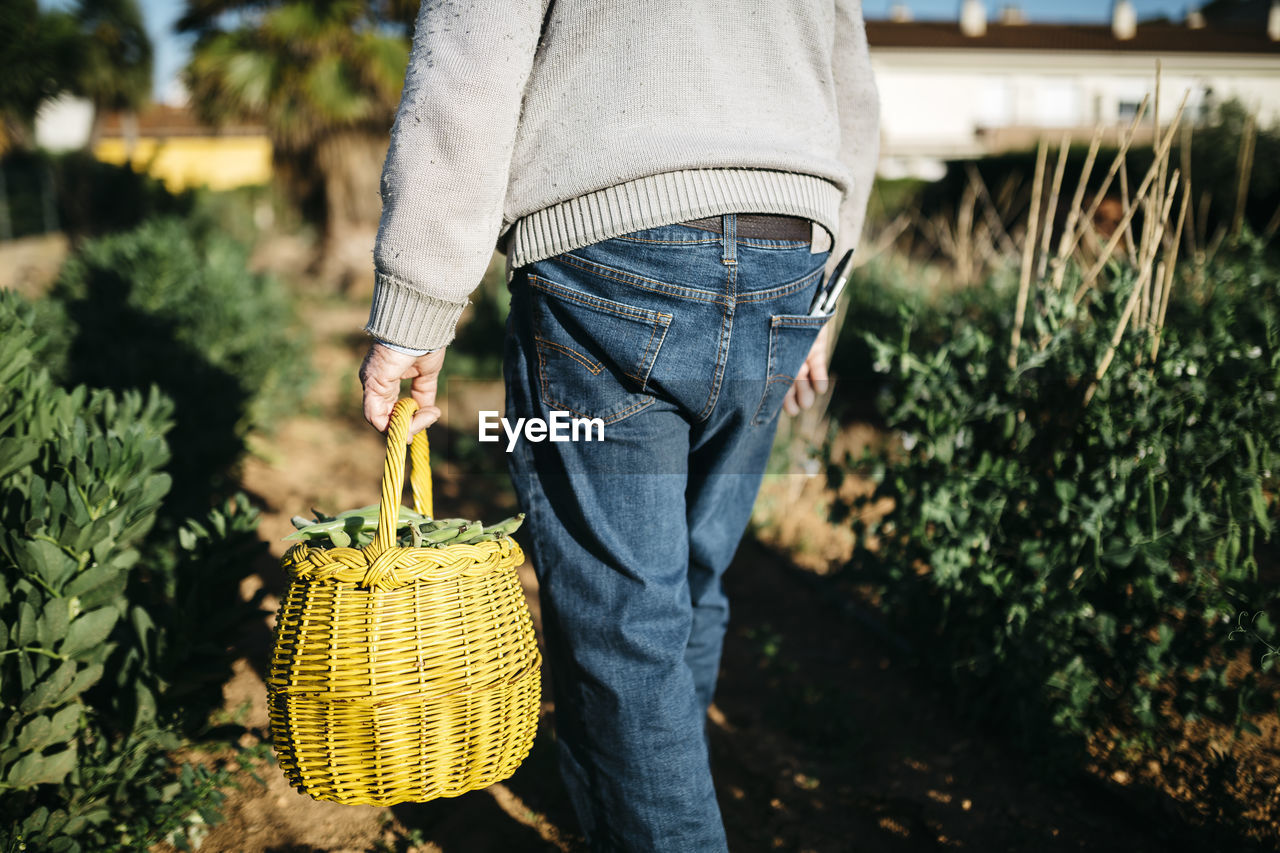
858, 108
444, 180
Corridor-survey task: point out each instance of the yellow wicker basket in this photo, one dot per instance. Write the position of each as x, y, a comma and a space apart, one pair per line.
402, 674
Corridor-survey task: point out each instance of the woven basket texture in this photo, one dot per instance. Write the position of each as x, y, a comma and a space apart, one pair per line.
403, 674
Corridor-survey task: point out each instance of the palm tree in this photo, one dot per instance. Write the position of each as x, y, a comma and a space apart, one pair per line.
324, 78
40, 53
116, 70
99, 50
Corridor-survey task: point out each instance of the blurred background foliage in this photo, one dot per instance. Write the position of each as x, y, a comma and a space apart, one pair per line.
324, 79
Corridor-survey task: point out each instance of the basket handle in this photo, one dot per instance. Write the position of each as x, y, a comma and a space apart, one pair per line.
393, 474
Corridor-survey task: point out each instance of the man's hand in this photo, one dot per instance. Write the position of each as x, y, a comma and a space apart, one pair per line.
812, 378
380, 375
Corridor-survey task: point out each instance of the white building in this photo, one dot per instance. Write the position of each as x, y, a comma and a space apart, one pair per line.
971, 87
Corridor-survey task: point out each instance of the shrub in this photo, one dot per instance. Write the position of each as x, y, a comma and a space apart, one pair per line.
92, 637
1072, 563
81, 195
163, 305
888, 297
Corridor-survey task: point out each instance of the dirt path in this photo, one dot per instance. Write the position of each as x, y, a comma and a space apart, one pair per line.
828, 743
821, 741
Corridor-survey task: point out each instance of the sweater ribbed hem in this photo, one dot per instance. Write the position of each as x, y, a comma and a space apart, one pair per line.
668, 198
410, 318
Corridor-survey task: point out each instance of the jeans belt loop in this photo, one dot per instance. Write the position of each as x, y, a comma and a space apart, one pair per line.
729, 242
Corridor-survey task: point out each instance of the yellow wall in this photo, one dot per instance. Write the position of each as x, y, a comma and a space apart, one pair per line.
220, 162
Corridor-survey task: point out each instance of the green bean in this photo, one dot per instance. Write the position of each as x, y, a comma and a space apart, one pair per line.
357, 528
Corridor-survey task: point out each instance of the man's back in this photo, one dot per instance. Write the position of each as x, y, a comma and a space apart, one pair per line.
620, 90
547, 125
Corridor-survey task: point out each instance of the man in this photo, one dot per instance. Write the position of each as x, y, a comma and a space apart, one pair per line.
666, 179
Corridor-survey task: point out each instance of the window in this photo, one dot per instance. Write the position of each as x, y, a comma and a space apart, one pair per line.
1126, 110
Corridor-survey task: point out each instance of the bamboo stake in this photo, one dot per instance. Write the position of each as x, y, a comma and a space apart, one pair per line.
1073, 214
1172, 258
1129, 246
1202, 217
1006, 197
1164, 276
1092, 243
1157, 197
886, 238
1216, 243
908, 251
964, 234
1161, 152
1270, 230
989, 255
1106, 181
1107, 250
1148, 212
1051, 211
989, 211
1157, 285
1144, 273
1185, 146
1028, 255
924, 229
1244, 169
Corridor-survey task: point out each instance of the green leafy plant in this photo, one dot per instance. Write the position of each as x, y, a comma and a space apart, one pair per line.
86, 674
1082, 562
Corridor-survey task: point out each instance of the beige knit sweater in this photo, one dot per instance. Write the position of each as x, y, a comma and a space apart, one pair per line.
540, 126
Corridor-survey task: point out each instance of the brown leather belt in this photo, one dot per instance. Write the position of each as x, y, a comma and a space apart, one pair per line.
761, 226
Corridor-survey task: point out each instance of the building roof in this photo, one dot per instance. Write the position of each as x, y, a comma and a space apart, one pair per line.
162, 120
1151, 37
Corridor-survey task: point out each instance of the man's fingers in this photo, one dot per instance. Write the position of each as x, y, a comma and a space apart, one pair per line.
379, 400
812, 378
804, 394
380, 376
422, 419
380, 380
817, 360
801, 388
377, 413
426, 378
818, 376
789, 403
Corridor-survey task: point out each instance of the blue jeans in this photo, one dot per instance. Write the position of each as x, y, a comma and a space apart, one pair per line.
683, 342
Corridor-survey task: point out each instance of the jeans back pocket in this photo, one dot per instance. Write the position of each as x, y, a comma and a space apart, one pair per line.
791, 336
594, 354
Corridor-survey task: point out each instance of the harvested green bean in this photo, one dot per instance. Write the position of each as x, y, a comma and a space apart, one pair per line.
356, 528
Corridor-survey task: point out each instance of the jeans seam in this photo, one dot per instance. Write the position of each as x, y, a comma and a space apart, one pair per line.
779, 244
665, 242
770, 376
549, 400
594, 268
726, 331
615, 308
799, 321
650, 360
593, 366
782, 289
